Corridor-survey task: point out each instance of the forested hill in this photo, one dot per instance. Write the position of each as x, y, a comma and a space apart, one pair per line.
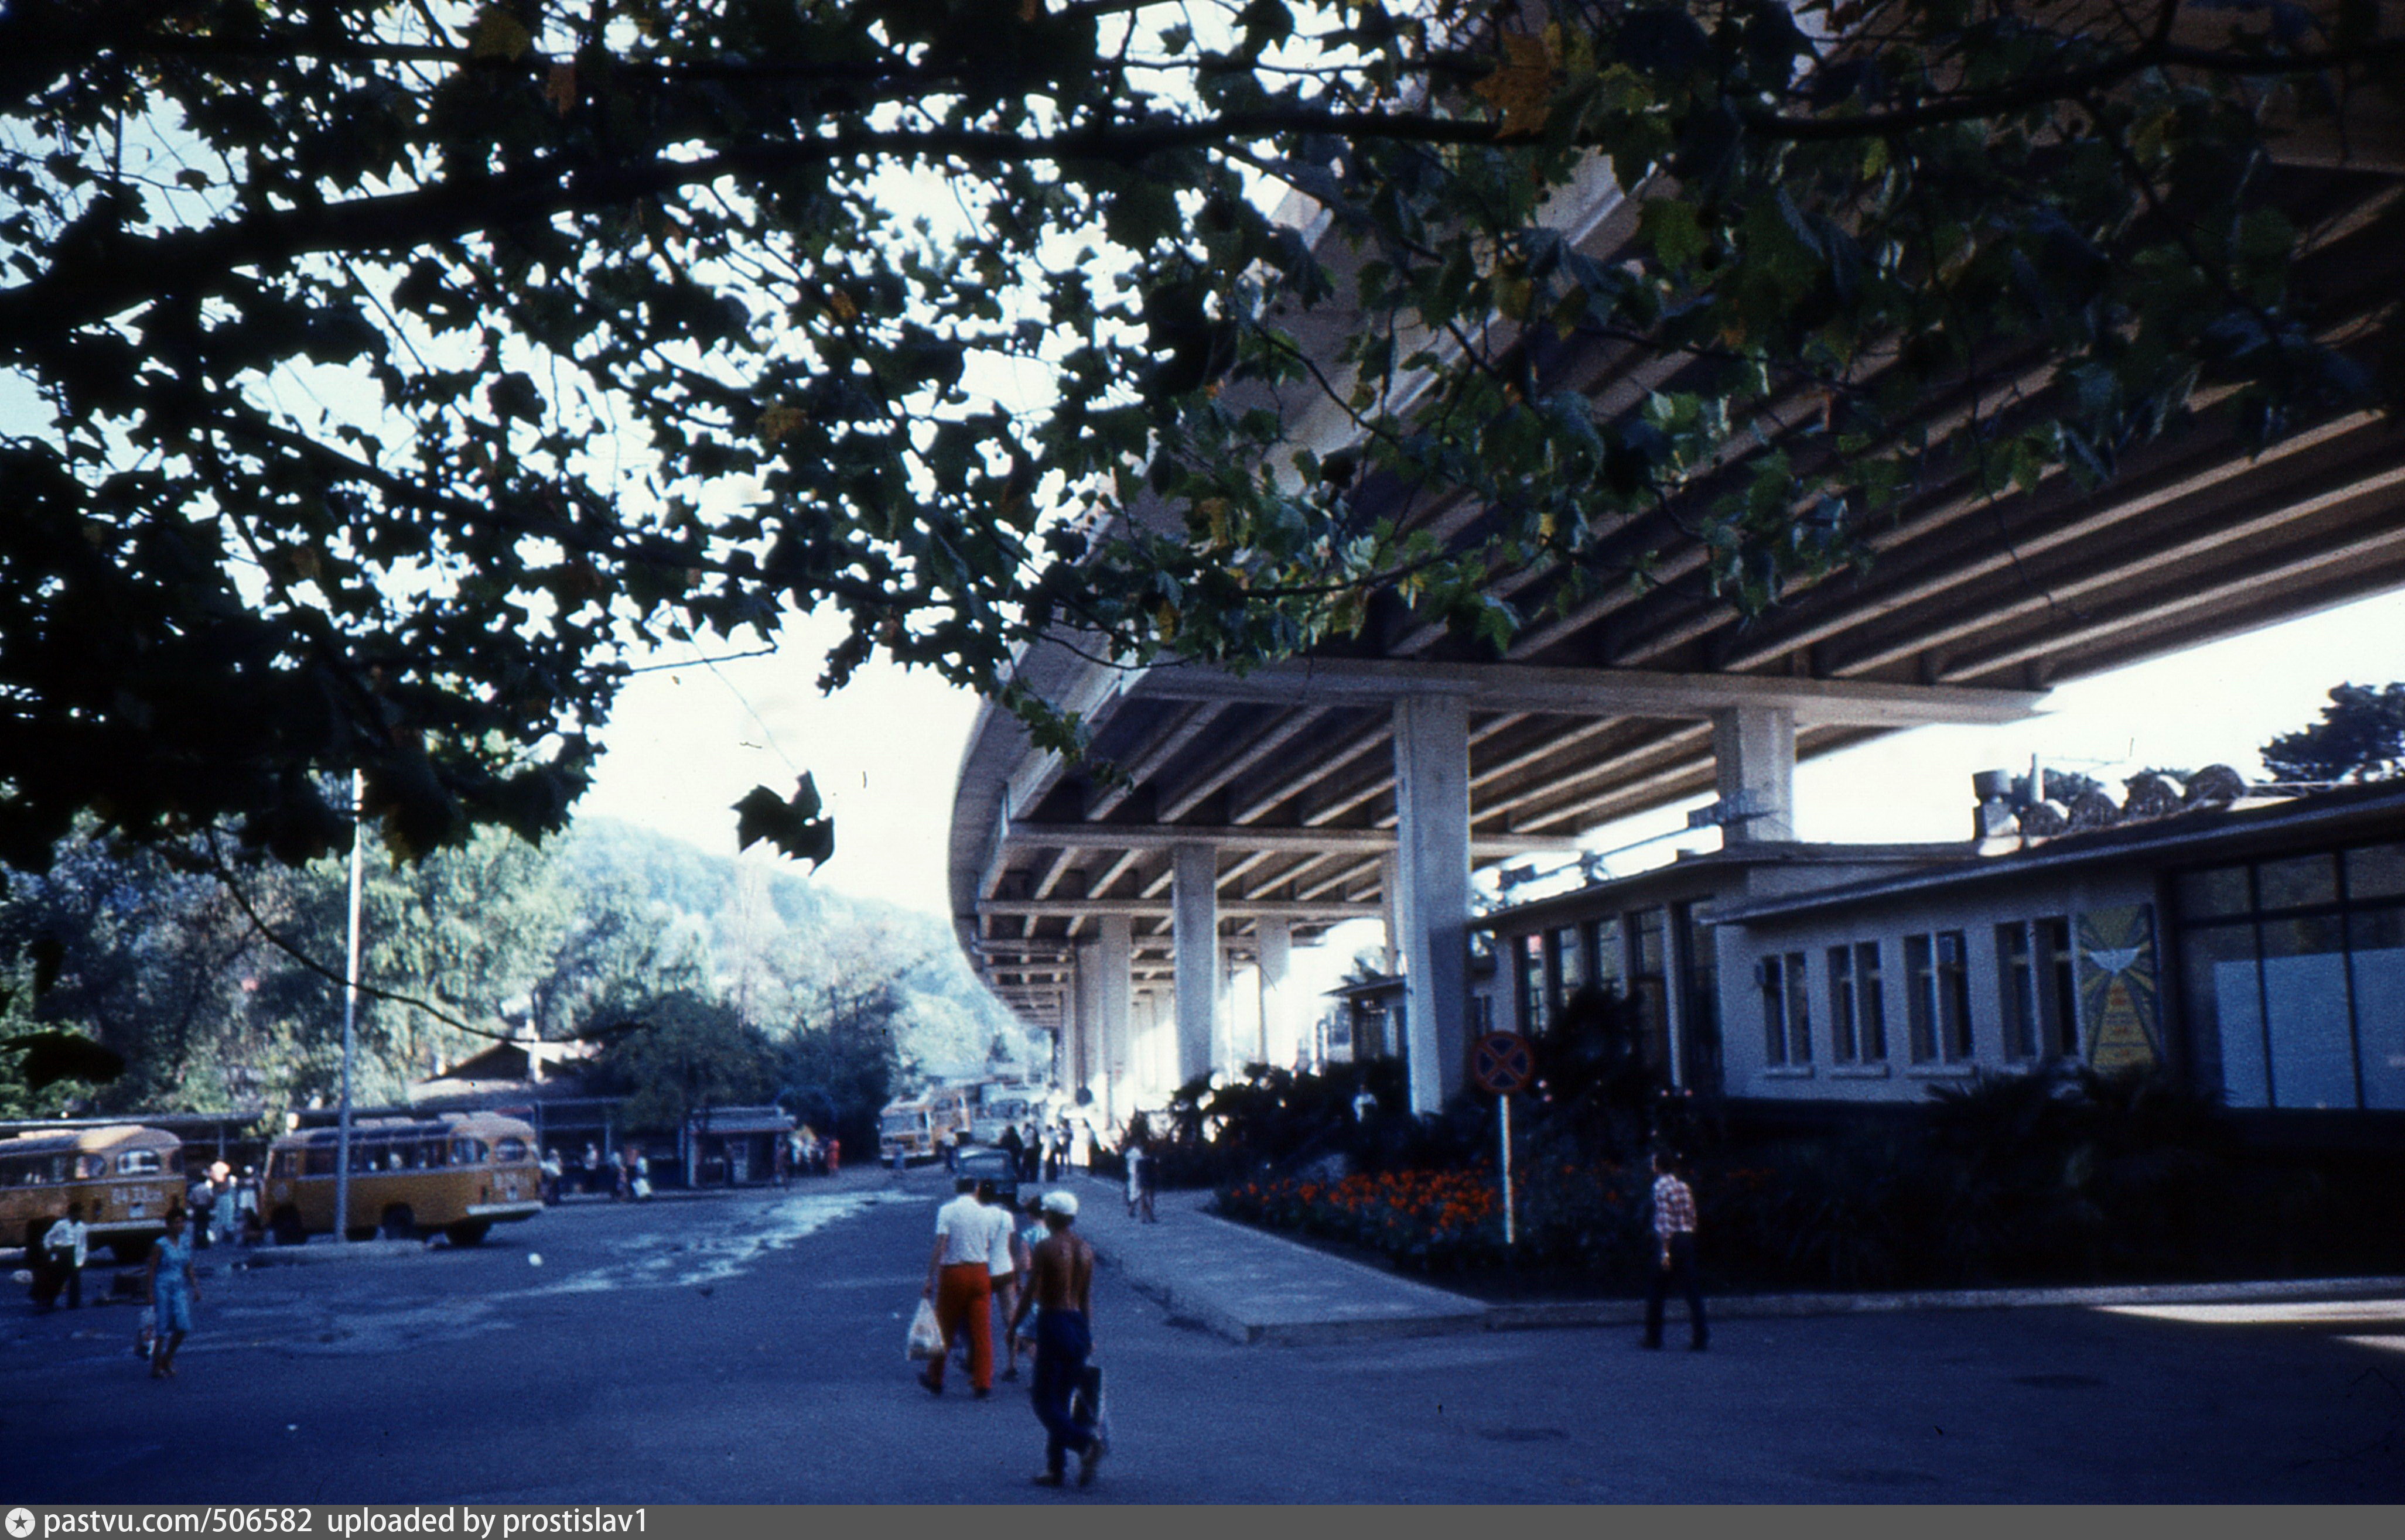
773, 985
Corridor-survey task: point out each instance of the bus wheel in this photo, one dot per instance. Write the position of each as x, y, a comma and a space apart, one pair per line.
399, 1224
285, 1227
468, 1232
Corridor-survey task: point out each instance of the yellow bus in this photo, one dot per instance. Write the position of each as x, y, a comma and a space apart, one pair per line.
126, 1177
905, 1127
457, 1173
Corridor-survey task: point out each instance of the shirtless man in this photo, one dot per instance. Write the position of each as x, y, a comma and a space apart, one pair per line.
1061, 1289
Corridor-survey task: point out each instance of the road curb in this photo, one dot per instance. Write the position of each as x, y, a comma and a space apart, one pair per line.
1214, 1309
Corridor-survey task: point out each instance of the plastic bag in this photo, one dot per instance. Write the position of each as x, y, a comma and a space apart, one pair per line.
1087, 1406
926, 1338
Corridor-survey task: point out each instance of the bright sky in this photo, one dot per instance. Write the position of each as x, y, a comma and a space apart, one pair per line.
686, 743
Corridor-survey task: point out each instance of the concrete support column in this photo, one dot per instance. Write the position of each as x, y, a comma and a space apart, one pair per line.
1194, 904
1754, 750
1113, 960
1390, 897
1432, 833
1227, 1030
1151, 1053
1085, 1016
1277, 1013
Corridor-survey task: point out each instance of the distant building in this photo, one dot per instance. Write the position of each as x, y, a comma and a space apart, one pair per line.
733, 1146
518, 1069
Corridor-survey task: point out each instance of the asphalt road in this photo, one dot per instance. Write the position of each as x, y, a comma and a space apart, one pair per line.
749, 1349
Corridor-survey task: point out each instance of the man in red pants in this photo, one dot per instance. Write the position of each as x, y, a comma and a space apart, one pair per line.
962, 1287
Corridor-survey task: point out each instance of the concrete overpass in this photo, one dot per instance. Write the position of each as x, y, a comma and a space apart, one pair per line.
1258, 810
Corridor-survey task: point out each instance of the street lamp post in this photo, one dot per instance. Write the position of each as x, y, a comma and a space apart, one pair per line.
350, 1032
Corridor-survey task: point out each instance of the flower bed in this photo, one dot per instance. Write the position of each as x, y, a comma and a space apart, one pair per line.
1431, 1220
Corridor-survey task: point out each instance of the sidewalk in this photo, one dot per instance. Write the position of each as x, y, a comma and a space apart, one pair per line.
1254, 1287
1251, 1286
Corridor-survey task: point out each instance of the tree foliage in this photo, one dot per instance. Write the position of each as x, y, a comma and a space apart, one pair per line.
388, 368
185, 969
2361, 736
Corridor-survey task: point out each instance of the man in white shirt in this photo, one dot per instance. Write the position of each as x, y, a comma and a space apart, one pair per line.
64, 1243
961, 1282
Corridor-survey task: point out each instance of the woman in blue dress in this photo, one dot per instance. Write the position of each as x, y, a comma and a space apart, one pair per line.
174, 1292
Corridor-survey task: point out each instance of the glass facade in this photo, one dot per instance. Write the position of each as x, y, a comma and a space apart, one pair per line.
2293, 978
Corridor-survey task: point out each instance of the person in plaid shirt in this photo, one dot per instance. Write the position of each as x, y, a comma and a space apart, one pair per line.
1674, 1235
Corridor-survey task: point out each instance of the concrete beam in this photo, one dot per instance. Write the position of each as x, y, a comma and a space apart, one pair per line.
1323, 911
1150, 761
1248, 837
1607, 692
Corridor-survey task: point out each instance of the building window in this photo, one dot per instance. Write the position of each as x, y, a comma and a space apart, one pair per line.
2037, 989
1530, 951
1843, 1044
1649, 985
1786, 1010
1953, 996
1610, 952
1938, 1002
1699, 1061
1921, 997
2293, 976
2057, 987
2016, 991
1870, 1003
1569, 963
1857, 1015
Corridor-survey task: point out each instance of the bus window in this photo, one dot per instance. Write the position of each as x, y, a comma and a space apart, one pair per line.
468, 1152
281, 1165
430, 1152
91, 1168
138, 1163
510, 1149
321, 1160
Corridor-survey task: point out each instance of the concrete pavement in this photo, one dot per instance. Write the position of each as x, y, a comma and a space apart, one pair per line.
750, 1351
1248, 1285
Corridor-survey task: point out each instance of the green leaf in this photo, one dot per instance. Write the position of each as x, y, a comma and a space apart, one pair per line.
1671, 228
792, 824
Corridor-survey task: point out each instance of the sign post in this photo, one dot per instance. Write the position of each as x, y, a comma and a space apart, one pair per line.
1504, 1066
1509, 1237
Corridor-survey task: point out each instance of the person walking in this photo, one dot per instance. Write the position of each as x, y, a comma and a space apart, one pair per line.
1136, 1161
1061, 1289
960, 1280
1007, 1268
197, 1201
245, 1206
1674, 1236
64, 1244
222, 1222
174, 1291
553, 1173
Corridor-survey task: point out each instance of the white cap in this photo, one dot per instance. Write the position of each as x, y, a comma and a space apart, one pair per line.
1064, 1204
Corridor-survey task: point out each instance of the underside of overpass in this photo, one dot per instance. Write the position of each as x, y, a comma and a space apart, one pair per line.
1251, 812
